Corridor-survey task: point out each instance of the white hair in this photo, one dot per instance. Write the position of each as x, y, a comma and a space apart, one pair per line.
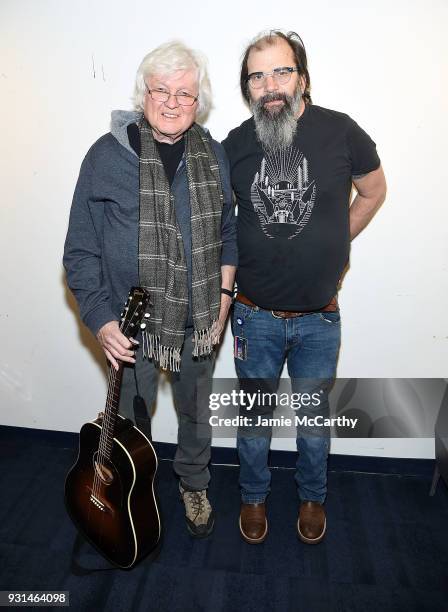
166, 59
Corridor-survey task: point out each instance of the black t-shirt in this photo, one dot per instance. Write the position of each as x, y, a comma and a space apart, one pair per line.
170, 154
293, 205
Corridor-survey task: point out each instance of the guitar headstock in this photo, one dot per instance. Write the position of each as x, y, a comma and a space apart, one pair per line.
135, 311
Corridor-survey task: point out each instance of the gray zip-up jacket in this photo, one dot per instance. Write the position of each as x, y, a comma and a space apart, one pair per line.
101, 247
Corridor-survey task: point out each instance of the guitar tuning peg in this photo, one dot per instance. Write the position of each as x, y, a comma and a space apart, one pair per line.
142, 325
147, 315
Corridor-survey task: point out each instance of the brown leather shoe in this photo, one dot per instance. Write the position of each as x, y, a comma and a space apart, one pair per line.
311, 523
253, 523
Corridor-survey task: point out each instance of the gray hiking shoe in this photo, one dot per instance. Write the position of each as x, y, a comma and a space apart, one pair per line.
199, 514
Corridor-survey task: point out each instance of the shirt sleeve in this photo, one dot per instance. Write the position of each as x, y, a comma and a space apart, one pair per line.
362, 150
82, 254
228, 149
229, 253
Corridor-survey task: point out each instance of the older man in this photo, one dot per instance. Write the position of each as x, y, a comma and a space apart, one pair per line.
292, 169
153, 207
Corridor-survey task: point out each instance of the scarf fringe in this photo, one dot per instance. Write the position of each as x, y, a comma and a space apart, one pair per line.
167, 357
203, 340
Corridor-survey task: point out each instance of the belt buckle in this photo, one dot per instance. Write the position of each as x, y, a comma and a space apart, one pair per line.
276, 316
289, 314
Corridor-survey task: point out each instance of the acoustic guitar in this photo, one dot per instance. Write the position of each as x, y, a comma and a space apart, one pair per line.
109, 492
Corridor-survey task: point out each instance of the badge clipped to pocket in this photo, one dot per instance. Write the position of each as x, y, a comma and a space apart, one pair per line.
240, 348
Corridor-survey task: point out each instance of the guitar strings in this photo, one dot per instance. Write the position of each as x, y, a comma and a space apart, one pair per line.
106, 424
106, 442
101, 446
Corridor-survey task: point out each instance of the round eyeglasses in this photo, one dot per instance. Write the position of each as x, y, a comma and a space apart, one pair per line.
280, 75
162, 95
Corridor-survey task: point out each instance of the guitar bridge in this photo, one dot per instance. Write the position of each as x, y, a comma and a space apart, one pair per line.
97, 502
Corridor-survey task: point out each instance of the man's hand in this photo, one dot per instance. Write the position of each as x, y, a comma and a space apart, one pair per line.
115, 344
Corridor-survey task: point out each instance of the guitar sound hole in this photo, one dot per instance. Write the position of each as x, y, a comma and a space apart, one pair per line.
103, 470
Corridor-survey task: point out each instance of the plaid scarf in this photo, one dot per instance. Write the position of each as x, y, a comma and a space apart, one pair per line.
162, 263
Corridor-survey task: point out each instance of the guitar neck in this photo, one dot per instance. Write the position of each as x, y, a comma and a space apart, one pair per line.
111, 409
131, 322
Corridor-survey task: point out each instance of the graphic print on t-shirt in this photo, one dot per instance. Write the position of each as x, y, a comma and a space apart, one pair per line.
283, 194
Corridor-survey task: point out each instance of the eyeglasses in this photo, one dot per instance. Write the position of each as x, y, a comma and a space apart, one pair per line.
162, 95
280, 75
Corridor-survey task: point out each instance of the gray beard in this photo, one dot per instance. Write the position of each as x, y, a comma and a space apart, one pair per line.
275, 128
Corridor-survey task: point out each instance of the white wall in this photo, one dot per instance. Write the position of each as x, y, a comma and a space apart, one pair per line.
65, 65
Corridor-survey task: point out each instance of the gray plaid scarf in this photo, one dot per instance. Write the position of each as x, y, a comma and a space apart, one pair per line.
162, 264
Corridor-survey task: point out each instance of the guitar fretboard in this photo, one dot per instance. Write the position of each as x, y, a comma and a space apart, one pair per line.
110, 412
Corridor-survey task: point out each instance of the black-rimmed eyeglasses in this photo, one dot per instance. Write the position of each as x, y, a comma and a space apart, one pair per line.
280, 75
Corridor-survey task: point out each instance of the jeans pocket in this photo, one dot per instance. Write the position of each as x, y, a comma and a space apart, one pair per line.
332, 318
241, 311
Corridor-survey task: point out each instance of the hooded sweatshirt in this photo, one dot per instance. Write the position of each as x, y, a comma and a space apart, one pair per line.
101, 247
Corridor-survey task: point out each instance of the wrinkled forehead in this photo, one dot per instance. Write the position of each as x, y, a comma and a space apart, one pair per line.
175, 79
270, 54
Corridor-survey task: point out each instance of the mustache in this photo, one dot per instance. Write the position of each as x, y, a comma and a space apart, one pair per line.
273, 97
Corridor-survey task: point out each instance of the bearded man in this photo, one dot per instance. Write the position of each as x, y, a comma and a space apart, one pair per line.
293, 165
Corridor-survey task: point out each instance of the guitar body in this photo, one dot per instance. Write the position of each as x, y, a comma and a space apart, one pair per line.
112, 502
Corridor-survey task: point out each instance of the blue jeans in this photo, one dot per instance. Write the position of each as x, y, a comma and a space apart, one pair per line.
310, 344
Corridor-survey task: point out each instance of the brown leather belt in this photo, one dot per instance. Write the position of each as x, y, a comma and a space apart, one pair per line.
288, 314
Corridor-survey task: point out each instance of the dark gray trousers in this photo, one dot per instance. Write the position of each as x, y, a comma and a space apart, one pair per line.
191, 389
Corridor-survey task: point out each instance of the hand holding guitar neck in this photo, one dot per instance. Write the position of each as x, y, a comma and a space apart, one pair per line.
115, 344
